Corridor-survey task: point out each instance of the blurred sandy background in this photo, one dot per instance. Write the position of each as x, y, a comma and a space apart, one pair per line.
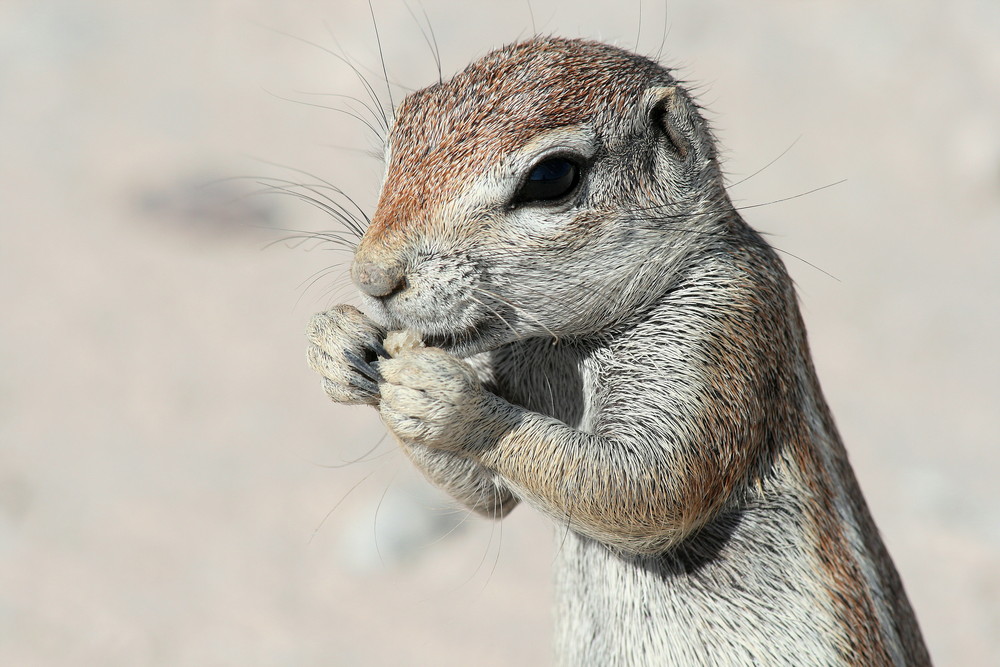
169, 483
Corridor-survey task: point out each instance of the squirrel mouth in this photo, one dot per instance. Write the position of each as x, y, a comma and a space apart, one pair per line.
454, 341
447, 340
437, 340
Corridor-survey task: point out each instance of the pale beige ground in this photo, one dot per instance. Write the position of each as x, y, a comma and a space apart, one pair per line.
164, 451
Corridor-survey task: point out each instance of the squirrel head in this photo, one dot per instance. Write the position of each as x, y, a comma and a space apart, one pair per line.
549, 189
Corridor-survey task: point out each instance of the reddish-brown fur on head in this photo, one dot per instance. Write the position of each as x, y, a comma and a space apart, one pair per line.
449, 132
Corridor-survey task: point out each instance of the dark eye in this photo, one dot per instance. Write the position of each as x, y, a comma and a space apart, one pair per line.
549, 180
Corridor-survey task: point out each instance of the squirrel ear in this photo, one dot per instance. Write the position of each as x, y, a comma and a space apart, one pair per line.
666, 112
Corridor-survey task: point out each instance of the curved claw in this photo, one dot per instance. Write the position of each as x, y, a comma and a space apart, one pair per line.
380, 351
364, 384
366, 369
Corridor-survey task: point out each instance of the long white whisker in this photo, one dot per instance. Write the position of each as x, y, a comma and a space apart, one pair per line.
517, 309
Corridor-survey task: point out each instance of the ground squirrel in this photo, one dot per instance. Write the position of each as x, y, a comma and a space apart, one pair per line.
597, 332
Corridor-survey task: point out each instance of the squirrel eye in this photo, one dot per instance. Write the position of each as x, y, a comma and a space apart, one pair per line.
549, 180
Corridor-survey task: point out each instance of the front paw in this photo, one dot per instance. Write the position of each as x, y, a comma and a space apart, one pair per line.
343, 343
431, 398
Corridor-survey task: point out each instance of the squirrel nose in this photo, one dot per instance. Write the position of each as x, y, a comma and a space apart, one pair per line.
377, 279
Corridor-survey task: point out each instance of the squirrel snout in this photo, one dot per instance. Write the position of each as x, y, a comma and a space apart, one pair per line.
378, 280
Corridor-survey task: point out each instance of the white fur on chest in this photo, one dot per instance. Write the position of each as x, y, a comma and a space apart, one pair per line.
645, 611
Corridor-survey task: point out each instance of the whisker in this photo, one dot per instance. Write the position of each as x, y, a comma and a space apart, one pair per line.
378, 508
338, 504
517, 309
348, 112
638, 31
497, 526
336, 212
268, 186
664, 33
361, 459
297, 239
431, 40
361, 78
466, 515
337, 293
381, 57
499, 316
315, 280
780, 155
376, 115
315, 277
325, 182
784, 199
332, 207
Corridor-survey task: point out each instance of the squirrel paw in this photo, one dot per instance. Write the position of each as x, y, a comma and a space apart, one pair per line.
431, 398
343, 345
